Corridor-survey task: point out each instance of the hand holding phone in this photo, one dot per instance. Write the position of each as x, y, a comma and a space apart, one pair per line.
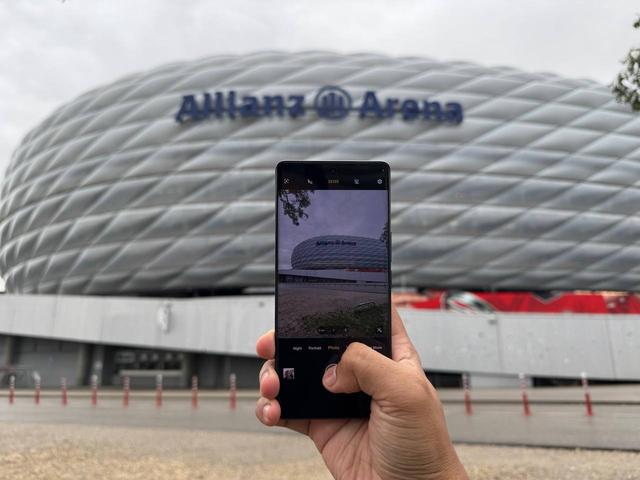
405, 436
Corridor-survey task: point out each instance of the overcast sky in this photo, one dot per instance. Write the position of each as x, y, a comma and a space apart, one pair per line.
53, 50
360, 213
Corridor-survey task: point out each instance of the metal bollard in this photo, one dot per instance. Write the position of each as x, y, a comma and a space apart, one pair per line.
194, 392
94, 390
63, 388
36, 393
232, 391
525, 397
587, 395
125, 391
467, 395
12, 389
159, 390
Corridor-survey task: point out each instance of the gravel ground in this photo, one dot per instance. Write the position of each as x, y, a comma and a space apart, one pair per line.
514, 463
79, 452
74, 452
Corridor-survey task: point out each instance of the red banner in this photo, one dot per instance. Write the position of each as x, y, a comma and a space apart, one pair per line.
532, 302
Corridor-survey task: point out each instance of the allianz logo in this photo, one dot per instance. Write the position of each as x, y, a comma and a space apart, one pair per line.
330, 103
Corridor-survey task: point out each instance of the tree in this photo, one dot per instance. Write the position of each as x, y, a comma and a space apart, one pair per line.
384, 236
626, 86
294, 203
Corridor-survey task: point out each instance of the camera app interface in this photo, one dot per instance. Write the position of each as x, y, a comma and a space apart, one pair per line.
332, 277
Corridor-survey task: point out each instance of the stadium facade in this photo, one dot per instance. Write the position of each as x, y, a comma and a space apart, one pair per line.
161, 185
340, 252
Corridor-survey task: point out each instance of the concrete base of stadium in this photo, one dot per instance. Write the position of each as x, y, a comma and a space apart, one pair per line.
79, 336
27, 358
480, 380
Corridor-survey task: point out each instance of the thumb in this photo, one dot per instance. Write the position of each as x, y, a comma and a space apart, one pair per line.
361, 368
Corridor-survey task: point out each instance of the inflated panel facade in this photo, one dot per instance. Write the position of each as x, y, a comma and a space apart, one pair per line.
536, 188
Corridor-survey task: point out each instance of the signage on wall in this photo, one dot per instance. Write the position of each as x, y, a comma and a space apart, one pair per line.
330, 103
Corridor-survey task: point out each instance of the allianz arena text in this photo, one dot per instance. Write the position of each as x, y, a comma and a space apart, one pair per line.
340, 252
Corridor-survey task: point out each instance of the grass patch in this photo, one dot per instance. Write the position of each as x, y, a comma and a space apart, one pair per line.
358, 321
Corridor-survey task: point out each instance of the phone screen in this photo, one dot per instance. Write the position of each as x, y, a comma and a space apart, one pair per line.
332, 278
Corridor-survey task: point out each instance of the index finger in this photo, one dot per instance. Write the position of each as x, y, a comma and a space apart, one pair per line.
266, 346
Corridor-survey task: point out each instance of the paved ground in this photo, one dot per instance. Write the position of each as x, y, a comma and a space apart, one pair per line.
616, 394
177, 442
82, 452
612, 427
69, 451
558, 416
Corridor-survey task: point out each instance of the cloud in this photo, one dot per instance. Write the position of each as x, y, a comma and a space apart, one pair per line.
52, 51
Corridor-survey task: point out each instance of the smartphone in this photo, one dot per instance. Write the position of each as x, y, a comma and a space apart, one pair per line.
333, 278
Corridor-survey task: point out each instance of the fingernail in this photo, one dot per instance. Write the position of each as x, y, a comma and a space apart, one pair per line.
265, 411
330, 375
264, 373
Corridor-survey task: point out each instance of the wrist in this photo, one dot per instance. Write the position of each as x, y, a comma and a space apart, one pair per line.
451, 469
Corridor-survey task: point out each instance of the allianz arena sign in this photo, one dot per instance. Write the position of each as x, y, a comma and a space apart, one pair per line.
330, 102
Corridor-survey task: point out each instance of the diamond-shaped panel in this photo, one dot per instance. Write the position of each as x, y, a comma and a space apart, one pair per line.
537, 188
